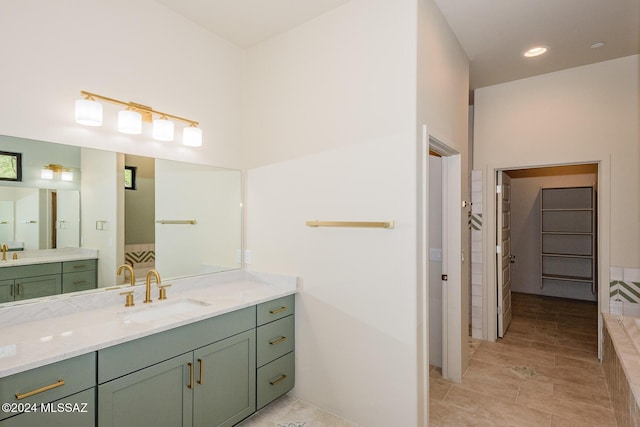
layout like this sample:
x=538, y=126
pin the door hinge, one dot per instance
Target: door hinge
x=498, y=189
x=500, y=311
x=445, y=277
x=498, y=249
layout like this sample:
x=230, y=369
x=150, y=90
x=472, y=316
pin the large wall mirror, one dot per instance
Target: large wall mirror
x=181, y=219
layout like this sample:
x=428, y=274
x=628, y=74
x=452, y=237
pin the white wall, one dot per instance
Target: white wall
x=129, y=50
x=330, y=136
x=581, y=115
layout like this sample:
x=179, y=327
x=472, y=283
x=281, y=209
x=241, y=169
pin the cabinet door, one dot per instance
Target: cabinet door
x=157, y=396
x=225, y=381
x=6, y=290
x=34, y=287
x=77, y=410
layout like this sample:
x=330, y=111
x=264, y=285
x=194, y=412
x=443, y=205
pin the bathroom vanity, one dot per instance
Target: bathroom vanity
x=212, y=354
x=34, y=274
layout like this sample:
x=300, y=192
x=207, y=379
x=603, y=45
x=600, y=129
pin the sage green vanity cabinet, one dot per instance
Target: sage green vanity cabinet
x=68, y=382
x=225, y=381
x=205, y=370
x=31, y=281
x=155, y=396
x=275, y=349
x=40, y=280
x=6, y=290
x=79, y=275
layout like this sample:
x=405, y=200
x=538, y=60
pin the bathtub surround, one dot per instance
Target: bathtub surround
x=624, y=291
x=621, y=363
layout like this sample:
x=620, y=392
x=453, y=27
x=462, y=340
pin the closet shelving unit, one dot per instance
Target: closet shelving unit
x=568, y=240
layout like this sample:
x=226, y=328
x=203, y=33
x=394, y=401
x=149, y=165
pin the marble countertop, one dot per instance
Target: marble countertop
x=38, y=334
x=47, y=256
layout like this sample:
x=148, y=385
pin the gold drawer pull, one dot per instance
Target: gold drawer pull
x=190, y=375
x=200, y=376
x=39, y=390
x=80, y=266
x=279, y=380
x=80, y=282
x=278, y=341
x=278, y=310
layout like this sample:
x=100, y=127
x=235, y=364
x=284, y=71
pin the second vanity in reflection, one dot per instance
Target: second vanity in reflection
x=48, y=272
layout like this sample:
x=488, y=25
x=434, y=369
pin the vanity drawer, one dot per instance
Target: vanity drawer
x=50, y=382
x=275, y=309
x=78, y=281
x=32, y=270
x=80, y=265
x=275, y=339
x=275, y=379
x=122, y=359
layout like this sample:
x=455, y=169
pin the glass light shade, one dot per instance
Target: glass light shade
x=163, y=130
x=88, y=112
x=46, y=173
x=192, y=136
x=66, y=175
x=130, y=122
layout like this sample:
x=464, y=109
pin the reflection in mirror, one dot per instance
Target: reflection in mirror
x=94, y=211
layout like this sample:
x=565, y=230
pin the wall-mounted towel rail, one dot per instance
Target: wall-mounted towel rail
x=360, y=224
x=177, y=221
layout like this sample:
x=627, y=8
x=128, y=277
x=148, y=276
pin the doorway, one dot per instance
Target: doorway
x=546, y=244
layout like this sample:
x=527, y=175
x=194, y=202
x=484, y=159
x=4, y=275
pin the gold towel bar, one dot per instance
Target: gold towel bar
x=176, y=221
x=361, y=224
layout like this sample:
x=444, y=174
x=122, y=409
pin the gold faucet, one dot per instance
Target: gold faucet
x=5, y=248
x=150, y=274
x=132, y=275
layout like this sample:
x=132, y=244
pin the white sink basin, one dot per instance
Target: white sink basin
x=162, y=309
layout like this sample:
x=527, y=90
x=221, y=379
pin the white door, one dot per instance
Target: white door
x=504, y=252
x=68, y=219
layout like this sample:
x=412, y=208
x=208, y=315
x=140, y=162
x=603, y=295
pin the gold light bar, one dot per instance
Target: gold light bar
x=359, y=224
x=145, y=110
x=176, y=221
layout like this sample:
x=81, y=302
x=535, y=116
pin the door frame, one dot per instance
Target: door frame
x=490, y=321
x=455, y=313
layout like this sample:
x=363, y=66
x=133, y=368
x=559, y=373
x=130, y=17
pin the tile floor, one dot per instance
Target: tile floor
x=545, y=372
x=291, y=412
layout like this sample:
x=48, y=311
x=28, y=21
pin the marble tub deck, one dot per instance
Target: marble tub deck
x=545, y=372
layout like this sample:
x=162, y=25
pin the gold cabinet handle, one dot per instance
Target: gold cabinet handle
x=278, y=341
x=200, y=375
x=80, y=266
x=278, y=310
x=80, y=282
x=279, y=380
x=11, y=291
x=59, y=383
x=190, y=375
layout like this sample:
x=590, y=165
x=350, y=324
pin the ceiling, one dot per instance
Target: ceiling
x=493, y=33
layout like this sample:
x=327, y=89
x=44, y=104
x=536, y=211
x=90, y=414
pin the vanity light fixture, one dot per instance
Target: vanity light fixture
x=130, y=121
x=89, y=112
x=48, y=171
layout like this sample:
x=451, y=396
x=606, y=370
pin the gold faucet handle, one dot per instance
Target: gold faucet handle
x=129, y=300
x=15, y=255
x=163, y=291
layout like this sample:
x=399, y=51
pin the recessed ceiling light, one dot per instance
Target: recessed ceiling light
x=535, y=51
x=597, y=45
